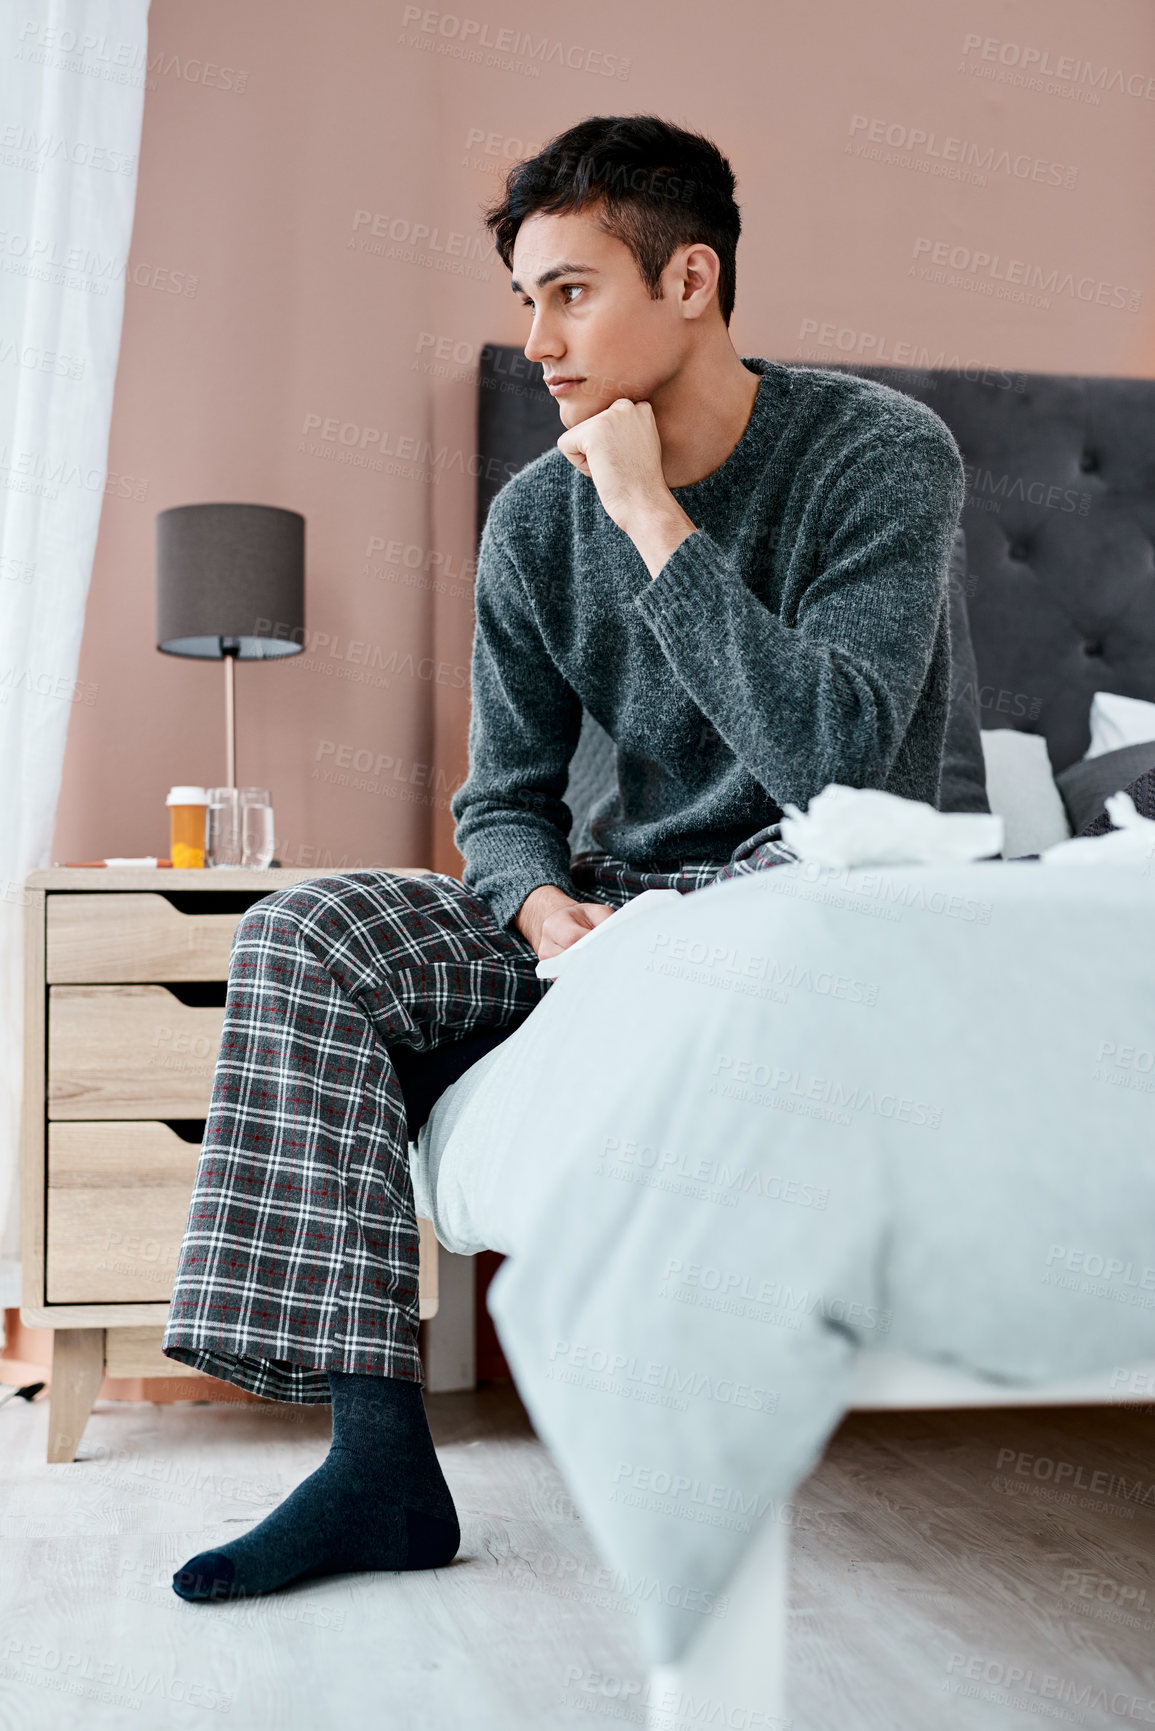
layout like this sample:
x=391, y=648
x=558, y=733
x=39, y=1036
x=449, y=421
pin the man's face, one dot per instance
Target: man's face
x=593, y=321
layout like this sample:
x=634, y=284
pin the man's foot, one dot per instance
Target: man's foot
x=377, y=1501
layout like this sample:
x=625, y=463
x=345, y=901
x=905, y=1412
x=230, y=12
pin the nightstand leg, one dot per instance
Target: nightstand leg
x=77, y=1373
x=449, y=1353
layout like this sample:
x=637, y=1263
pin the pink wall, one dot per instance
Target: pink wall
x=260, y=306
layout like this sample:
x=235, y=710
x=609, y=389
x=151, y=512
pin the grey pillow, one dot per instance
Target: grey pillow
x=963, y=786
x=592, y=773
x=1087, y=785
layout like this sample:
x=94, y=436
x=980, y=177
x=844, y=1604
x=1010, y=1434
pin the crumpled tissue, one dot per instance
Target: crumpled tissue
x=862, y=826
x=1131, y=843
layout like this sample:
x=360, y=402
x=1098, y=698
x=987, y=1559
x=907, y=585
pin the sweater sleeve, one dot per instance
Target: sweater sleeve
x=512, y=825
x=828, y=697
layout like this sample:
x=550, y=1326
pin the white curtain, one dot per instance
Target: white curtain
x=72, y=82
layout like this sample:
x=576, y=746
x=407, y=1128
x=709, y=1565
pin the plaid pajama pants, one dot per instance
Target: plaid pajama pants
x=300, y=1247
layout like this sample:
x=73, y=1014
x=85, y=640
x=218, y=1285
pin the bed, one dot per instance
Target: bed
x=919, y=1290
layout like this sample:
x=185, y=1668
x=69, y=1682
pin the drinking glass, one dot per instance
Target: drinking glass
x=223, y=828
x=257, y=841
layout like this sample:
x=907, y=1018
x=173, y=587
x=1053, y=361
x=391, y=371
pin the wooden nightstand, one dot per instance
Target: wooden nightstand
x=125, y=977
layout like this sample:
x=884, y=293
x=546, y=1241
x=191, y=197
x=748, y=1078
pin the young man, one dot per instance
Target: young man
x=739, y=569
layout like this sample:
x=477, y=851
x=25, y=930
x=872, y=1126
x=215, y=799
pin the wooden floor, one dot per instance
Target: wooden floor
x=929, y=1564
x=926, y=1570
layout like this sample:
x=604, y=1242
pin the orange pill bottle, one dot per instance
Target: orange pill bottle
x=187, y=807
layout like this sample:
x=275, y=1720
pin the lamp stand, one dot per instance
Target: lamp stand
x=230, y=656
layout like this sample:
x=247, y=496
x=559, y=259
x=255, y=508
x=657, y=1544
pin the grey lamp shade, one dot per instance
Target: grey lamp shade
x=230, y=579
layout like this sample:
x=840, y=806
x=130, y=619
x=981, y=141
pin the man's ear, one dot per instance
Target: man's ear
x=696, y=283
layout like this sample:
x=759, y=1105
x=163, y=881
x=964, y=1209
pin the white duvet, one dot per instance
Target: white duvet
x=792, y=1117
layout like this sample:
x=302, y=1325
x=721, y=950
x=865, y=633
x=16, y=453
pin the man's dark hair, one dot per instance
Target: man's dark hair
x=658, y=188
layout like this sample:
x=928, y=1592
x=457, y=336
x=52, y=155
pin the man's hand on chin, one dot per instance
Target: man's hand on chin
x=619, y=449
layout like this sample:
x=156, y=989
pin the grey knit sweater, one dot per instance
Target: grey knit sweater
x=799, y=636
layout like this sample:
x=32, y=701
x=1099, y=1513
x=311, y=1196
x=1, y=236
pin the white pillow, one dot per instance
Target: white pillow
x=1117, y=721
x=1021, y=790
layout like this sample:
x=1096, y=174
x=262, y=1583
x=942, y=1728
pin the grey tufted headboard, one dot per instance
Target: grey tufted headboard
x=1060, y=531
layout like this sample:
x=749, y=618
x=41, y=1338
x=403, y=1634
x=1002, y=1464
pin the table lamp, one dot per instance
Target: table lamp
x=230, y=584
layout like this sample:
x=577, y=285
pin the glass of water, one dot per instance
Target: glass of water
x=257, y=842
x=223, y=828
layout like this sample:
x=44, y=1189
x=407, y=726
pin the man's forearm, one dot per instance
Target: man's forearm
x=657, y=529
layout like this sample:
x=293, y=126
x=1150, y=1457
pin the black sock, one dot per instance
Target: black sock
x=377, y=1501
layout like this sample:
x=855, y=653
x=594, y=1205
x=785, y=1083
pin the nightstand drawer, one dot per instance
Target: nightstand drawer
x=130, y=1052
x=118, y=1196
x=130, y=938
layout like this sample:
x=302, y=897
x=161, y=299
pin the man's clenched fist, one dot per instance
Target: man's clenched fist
x=619, y=449
x=552, y=921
